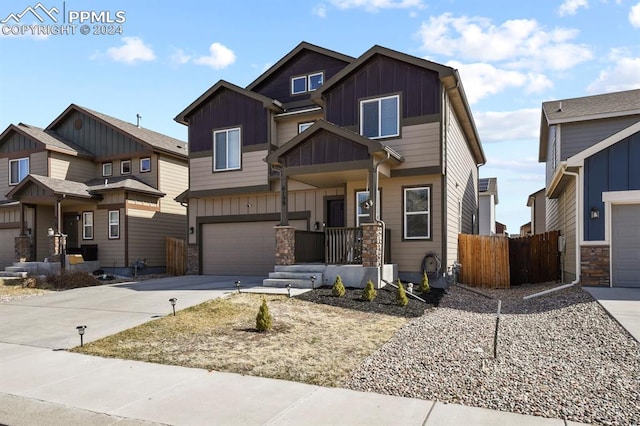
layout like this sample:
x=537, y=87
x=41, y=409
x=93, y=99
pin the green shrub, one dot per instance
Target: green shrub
x=369, y=293
x=424, y=285
x=263, y=319
x=401, y=295
x=338, y=288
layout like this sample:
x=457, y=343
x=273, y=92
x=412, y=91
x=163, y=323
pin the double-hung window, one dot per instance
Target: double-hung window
x=417, y=213
x=114, y=224
x=226, y=149
x=18, y=170
x=380, y=118
x=87, y=225
x=107, y=169
x=363, y=207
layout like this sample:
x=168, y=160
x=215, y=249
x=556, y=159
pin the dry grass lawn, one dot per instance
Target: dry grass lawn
x=12, y=289
x=309, y=342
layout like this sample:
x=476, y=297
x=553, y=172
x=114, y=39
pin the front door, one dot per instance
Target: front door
x=335, y=212
x=70, y=229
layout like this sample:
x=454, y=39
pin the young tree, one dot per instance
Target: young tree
x=401, y=295
x=338, y=288
x=369, y=293
x=263, y=319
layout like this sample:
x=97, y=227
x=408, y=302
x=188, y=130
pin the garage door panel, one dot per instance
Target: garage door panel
x=7, y=248
x=625, y=252
x=240, y=248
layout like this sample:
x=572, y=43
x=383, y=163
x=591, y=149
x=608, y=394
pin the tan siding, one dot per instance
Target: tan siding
x=4, y=178
x=145, y=242
x=44, y=220
x=462, y=186
x=9, y=214
x=7, y=252
x=254, y=172
x=151, y=177
x=568, y=229
x=287, y=128
x=419, y=145
x=70, y=168
x=173, y=180
x=552, y=214
x=39, y=164
x=110, y=252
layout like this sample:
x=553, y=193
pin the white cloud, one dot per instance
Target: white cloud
x=219, y=57
x=495, y=126
x=634, y=15
x=624, y=74
x=320, y=10
x=376, y=5
x=570, y=7
x=519, y=44
x=132, y=51
x=179, y=57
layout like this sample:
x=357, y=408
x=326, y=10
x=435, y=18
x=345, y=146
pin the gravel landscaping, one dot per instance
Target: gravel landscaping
x=559, y=356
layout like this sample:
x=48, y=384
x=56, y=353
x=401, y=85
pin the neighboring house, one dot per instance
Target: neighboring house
x=106, y=184
x=488, y=199
x=326, y=143
x=525, y=230
x=591, y=147
x=537, y=203
x=501, y=229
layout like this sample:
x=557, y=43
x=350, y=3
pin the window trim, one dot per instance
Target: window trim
x=115, y=223
x=378, y=207
x=18, y=160
x=122, y=163
x=428, y=213
x=305, y=123
x=110, y=164
x=314, y=74
x=293, y=80
x=85, y=225
x=142, y=170
x=227, y=130
x=379, y=100
x=307, y=82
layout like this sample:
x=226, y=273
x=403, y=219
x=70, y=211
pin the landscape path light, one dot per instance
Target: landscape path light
x=289, y=289
x=313, y=281
x=81, y=329
x=173, y=301
x=238, y=285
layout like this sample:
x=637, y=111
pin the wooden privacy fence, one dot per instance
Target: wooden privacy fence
x=499, y=262
x=176, y=256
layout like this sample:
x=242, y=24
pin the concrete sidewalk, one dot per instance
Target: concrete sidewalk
x=621, y=303
x=41, y=384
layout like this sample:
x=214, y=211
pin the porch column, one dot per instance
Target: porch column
x=284, y=198
x=373, y=193
x=285, y=245
x=371, y=245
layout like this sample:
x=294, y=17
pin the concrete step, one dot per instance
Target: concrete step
x=283, y=282
x=13, y=274
x=297, y=275
x=311, y=268
x=16, y=269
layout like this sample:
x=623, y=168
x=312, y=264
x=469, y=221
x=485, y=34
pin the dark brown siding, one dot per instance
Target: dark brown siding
x=419, y=88
x=228, y=109
x=278, y=86
x=325, y=148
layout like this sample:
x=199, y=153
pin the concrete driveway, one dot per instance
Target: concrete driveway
x=50, y=320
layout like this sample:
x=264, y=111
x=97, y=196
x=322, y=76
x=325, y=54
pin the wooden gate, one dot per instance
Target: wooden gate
x=499, y=262
x=176, y=256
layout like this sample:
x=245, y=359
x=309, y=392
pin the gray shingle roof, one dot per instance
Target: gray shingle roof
x=615, y=104
x=129, y=183
x=61, y=186
x=488, y=186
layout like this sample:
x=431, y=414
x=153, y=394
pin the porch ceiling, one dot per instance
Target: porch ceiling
x=331, y=179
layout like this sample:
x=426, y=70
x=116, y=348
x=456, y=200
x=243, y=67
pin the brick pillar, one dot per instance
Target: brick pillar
x=371, y=245
x=193, y=259
x=594, y=265
x=55, y=247
x=23, y=248
x=285, y=245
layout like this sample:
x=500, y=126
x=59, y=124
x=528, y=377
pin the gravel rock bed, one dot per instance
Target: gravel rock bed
x=559, y=356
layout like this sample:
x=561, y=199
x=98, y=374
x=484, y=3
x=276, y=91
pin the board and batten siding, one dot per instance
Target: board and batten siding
x=70, y=168
x=254, y=172
x=419, y=145
x=173, y=179
x=578, y=136
x=287, y=127
x=39, y=163
x=4, y=178
x=17, y=143
x=461, y=187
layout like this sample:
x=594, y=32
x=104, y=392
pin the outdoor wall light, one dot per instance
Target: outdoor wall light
x=238, y=285
x=289, y=289
x=50, y=232
x=173, y=301
x=595, y=213
x=81, y=329
x=313, y=281
x=191, y=230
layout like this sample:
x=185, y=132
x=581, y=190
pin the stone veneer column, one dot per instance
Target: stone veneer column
x=55, y=247
x=23, y=248
x=371, y=245
x=594, y=265
x=193, y=259
x=285, y=245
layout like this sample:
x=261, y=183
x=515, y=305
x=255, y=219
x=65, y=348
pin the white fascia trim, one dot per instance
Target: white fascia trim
x=302, y=111
x=610, y=198
x=578, y=159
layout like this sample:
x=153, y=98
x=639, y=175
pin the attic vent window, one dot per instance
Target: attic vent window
x=77, y=124
x=306, y=83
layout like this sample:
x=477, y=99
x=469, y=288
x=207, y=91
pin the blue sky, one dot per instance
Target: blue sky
x=512, y=56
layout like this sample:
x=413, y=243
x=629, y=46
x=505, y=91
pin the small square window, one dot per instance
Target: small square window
x=304, y=126
x=299, y=85
x=125, y=167
x=145, y=165
x=315, y=81
x=107, y=169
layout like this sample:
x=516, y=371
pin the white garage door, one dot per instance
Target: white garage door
x=7, y=246
x=625, y=256
x=243, y=248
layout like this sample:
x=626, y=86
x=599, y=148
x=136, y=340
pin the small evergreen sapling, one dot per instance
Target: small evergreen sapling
x=401, y=295
x=424, y=285
x=369, y=293
x=263, y=319
x=338, y=288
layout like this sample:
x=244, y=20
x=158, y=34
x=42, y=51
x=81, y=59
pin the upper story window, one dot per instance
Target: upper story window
x=226, y=149
x=380, y=118
x=18, y=170
x=107, y=169
x=417, y=214
x=306, y=83
x=145, y=165
x=304, y=126
x=125, y=167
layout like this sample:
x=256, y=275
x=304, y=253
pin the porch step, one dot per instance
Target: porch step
x=283, y=282
x=16, y=269
x=312, y=268
x=297, y=275
x=12, y=274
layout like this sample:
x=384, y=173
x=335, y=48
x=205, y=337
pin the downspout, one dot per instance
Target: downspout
x=578, y=216
x=376, y=166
